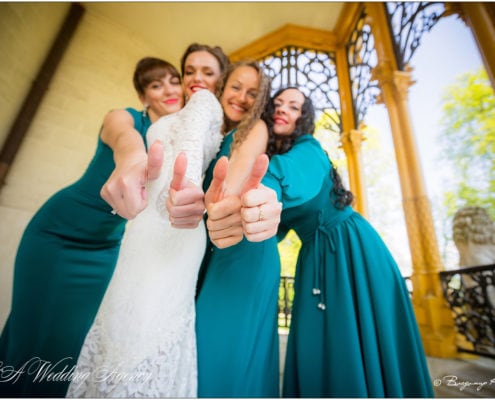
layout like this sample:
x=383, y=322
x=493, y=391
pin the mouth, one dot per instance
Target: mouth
x=171, y=101
x=238, y=108
x=195, y=88
x=280, y=121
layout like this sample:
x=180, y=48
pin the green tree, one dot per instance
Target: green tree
x=467, y=142
x=289, y=250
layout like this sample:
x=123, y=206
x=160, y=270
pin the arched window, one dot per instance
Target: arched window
x=312, y=71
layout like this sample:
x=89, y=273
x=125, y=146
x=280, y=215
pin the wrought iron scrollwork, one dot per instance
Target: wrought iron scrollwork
x=470, y=293
x=362, y=58
x=314, y=72
x=408, y=22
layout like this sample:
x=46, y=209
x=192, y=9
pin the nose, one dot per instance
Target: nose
x=168, y=87
x=197, y=76
x=242, y=96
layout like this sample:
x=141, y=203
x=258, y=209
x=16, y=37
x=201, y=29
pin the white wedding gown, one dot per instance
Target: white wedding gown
x=142, y=342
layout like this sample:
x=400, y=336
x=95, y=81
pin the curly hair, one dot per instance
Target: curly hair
x=279, y=144
x=343, y=197
x=150, y=69
x=305, y=124
x=215, y=51
x=254, y=114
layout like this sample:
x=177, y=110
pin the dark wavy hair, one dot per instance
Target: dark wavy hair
x=150, y=69
x=343, y=197
x=305, y=124
x=279, y=144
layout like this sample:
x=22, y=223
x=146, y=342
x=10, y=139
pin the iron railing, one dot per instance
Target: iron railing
x=470, y=293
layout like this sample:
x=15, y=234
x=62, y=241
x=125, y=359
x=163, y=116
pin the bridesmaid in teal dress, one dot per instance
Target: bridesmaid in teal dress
x=236, y=308
x=353, y=332
x=68, y=251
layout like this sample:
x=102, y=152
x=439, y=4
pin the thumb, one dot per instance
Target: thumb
x=180, y=167
x=216, y=189
x=155, y=160
x=258, y=171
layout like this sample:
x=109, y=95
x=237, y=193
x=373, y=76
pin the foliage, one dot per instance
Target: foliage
x=467, y=142
x=289, y=250
x=329, y=139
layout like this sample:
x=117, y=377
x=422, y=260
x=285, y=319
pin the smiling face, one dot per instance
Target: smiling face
x=201, y=71
x=163, y=96
x=239, y=93
x=287, y=110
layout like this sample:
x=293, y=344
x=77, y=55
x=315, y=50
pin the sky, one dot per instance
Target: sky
x=425, y=98
x=446, y=52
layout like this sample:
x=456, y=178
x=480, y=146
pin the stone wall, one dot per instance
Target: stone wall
x=94, y=76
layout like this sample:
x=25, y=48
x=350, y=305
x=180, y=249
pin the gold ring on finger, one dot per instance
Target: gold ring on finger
x=261, y=216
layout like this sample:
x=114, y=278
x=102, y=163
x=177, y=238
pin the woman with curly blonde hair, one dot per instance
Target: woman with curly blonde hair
x=236, y=307
x=243, y=95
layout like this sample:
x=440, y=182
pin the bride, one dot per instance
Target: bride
x=142, y=342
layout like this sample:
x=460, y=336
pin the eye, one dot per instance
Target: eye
x=155, y=85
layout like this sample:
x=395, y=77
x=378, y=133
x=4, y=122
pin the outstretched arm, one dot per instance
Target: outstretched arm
x=230, y=177
x=230, y=217
x=224, y=219
x=125, y=189
x=260, y=213
x=185, y=203
x=255, y=215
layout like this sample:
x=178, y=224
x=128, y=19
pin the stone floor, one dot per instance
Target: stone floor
x=470, y=377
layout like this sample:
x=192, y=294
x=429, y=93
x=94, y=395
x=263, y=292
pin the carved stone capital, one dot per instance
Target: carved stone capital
x=353, y=138
x=399, y=81
x=383, y=73
x=403, y=81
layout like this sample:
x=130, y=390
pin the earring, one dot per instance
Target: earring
x=145, y=111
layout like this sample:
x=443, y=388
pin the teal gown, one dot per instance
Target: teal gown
x=353, y=331
x=64, y=263
x=236, y=317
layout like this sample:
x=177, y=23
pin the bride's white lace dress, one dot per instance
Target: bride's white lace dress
x=142, y=342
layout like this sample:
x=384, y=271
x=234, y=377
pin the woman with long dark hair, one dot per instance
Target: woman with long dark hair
x=353, y=332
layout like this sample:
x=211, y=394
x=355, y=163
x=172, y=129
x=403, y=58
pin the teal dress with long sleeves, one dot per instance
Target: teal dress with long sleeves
x=236, y=316
x=63, y=265
x=353, y=331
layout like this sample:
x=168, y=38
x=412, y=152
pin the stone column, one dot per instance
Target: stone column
x=352, y=143
x=350, y=137
x=432, y=312
x=480, y=17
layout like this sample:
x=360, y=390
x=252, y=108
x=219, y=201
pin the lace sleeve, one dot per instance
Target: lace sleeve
x=199, y=136
x=195, y=130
